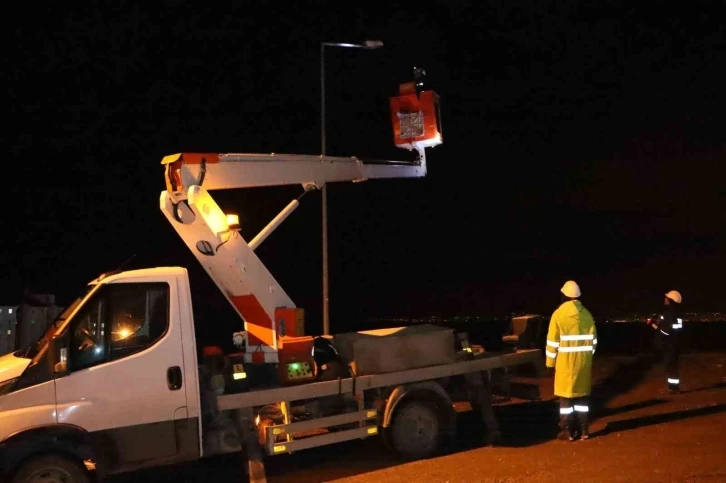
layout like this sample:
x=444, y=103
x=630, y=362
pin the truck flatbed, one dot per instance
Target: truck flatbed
x=481, y=362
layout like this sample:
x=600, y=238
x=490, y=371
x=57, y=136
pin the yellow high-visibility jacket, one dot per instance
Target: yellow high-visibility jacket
x=571, y=343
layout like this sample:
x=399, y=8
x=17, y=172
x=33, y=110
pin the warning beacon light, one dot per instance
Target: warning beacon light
x=415, y=114
x=233, y=222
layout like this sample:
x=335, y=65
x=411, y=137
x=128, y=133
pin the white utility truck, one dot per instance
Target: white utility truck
x=118, y=383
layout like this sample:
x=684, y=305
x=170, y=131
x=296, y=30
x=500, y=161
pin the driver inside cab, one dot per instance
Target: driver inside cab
x=88, y=343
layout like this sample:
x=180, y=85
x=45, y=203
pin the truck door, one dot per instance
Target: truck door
x=125, y=364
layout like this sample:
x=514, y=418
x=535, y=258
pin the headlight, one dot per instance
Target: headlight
x=7, y=386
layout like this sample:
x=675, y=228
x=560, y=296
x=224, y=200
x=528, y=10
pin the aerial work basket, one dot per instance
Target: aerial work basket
x=416, y=117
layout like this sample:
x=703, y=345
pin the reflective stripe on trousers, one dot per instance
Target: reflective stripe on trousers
x=577, y=407
x=574, y=412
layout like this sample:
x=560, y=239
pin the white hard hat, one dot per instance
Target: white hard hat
x=675, y=296
x=571, y=289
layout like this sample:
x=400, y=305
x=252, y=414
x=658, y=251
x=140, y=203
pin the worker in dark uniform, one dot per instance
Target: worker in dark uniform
x=669, y=326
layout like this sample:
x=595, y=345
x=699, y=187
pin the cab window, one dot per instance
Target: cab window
x=121, y=320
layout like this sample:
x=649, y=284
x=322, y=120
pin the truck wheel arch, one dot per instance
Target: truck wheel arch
x=65, y=440
x=427, y=390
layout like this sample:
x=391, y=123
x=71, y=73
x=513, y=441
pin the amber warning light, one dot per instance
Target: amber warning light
x=233, y=222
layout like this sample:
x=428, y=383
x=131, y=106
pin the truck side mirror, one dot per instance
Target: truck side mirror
x=62, y=365
x=57, y=355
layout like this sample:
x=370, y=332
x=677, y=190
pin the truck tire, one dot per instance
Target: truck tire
x=416, y=430
x=387, y=438
x=51, y=469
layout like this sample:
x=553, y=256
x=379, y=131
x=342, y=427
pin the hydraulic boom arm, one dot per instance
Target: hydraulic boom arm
x=227, y=171
x=215, y=239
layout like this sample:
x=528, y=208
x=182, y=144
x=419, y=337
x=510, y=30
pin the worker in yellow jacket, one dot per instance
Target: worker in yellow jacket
x=571, y=344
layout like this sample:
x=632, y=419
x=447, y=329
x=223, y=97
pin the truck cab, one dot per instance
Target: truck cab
x=112, y=385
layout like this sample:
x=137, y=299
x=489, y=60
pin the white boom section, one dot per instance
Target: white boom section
x=233, y=266
x=230, y=260
x=229, y=171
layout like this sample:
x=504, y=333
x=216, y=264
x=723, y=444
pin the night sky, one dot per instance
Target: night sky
x=583, y=142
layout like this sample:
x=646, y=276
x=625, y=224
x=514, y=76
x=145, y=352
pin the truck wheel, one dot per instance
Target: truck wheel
x=51, y=469
x=416, y=430
x=386, y=438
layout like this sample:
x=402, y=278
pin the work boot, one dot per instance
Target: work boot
x=584, y=432
x=565, y=435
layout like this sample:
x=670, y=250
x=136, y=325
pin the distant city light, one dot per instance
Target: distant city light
x=633, y=318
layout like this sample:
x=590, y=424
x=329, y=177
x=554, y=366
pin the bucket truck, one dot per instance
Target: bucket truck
x=117, y=382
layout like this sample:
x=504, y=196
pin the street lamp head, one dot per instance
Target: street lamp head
x=372, y=44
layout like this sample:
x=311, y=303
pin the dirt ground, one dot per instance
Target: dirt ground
x=639, y=435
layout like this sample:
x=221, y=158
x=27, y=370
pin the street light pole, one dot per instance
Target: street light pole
x=368, y=45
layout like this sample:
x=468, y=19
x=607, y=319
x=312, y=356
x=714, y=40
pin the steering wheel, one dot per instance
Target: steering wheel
x=88, y=340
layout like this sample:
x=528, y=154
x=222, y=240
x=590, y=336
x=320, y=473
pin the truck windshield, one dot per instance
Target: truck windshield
x=33, y=349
